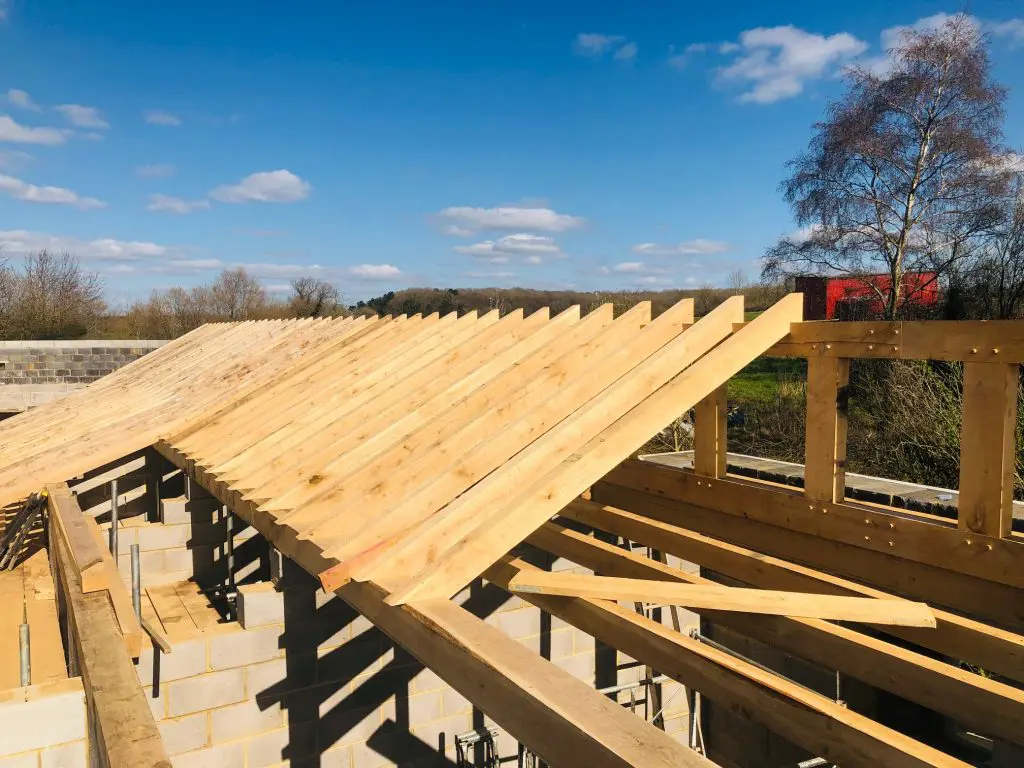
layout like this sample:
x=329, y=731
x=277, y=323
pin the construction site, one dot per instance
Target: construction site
x=433, y=540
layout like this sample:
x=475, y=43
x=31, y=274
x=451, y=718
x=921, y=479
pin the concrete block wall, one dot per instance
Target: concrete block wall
x=302, y=679
x=34, y=372
x=44, y=726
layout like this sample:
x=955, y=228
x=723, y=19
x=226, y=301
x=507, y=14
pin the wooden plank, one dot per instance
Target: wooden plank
x=748, y=556
x=86, y=555
x=976, y=701
x=710, y=432
x=121, y=601
x=12, y=594
x=825, y=445
x=561, y=719
x=697, y=596
x=123, y=722
x=860, y=525
x=988, y=341
x=638, y=406
x=46, y=648
x=820, y=725
x=988, y=448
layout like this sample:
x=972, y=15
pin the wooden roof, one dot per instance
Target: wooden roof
x=412, y=452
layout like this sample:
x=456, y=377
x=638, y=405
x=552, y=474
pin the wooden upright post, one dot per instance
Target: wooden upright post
x=988, y=442
x=709, y=434
x=825, y=446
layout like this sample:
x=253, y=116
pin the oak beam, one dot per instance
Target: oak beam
x=808, y=719
x=710, y=433
x=976, y=701
x=988, y=448
x=825, y=444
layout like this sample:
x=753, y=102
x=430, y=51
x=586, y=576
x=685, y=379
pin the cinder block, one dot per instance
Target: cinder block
x=336, y=757
x=184, y=734
x=560, y=643
x=454, y=703
x=187, y=660
x=151, y=537
x=424, y=707
x=259, y=605
x=24, y=760
x=245, y=719
x=219, y=756
x=428, y=680
x=449, y=726
x=251, y=646
x=47, y=718
x=580, y=666
x=157, y=704
x=214, y=689
x=582, y=642
x=521, y=623
x=288, y=744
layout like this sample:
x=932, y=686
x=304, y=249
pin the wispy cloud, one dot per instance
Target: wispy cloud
x=510, y=217
x=530, y=249
x=685, y=248
x=83, y=117
x=12, y=158
x=374, y=271
x=102, y=249
x=1012, y=29
x=22, y=134
x=594, y=45
x=175, y=204
x=30, y=193
x=776, y=63
x=22, y=100
x=280, y=186
x=161, y=117
x=156, y=171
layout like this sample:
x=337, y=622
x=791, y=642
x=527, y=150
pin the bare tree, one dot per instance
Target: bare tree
x=52, y=297
x=738, y=280
x=237, y=295
x=314, y=297
x=905, y=172
x=994, y=285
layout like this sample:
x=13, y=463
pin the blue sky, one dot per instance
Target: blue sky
x=582, y=145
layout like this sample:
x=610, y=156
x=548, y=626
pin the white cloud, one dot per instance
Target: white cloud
x=696, y=48
x=629, y=266
x=30, y=193
x=175, y=204
x=775, y=63
x=83, y=117
x=22, y=100
x=103, y=249
x=511, y=217
x=594, y=43
x=266, y=187
x=160, y=117
x=1011, y=162
x=653, y=280
x=374, y=271
x=490, y=275
x=627, y=52
x=22, y=134
x=531, y=249
x=453, y=230
x=1012, y=29
x=685, y=248
x=156, y=171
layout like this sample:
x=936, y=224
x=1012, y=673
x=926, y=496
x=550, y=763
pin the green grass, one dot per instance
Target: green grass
x=759, y=381
x=753, y=387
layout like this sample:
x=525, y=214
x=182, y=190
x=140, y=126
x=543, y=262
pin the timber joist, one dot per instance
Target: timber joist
x=978, y=341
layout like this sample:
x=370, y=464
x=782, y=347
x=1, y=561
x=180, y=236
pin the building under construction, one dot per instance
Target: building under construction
x=429, y=541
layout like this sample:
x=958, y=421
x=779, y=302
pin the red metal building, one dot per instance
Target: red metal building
x=854, y=298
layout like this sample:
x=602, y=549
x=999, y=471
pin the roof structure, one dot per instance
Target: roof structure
x=399, y=459
x=412, y=452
